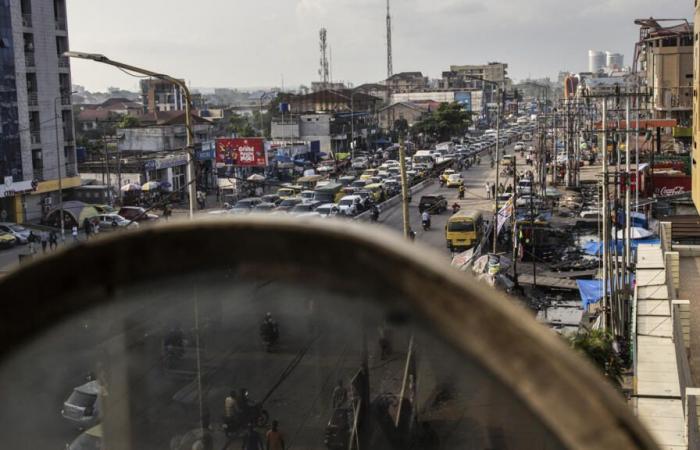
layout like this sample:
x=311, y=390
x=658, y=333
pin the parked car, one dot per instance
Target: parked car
x=7, y=240
x=113, y=220
x=83, y=406
x=18, y=231
x=136, y=213
x=434, y=204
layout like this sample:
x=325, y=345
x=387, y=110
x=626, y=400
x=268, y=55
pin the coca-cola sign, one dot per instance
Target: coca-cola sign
x=670, y=191
x=242, y=152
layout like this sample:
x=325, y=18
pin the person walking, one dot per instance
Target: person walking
x=274, y=438
x=251, y=439
x=53, y=240
x=493, y=190
x=44, y=241
x=74, y=233
x=487, y=186
x=340, y=395
x=87, y=228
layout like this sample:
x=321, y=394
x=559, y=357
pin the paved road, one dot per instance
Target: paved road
x=475, y=197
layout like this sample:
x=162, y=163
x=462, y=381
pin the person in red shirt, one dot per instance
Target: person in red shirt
x=274, y=438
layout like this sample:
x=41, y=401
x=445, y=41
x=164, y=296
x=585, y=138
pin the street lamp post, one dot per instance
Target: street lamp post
x=188, y=118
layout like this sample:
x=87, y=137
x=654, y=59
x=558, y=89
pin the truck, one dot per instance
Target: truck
x=424, y=157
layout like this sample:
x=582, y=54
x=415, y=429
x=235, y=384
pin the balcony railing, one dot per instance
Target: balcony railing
x=29, y=59
x=27, y=20
x=61, y=24
x=63, y=62
x=36, y=137
x=33, y=99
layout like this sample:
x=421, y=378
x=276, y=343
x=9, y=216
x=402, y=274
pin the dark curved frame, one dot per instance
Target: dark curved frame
x=570, y=397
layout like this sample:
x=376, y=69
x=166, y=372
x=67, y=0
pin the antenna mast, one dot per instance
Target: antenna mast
x=389, y=68
x=323, y=70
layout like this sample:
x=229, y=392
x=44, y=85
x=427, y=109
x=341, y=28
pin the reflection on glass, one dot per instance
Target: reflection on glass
x=219, y=359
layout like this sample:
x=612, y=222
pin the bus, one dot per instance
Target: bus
x=464, y=230
x=424, y=157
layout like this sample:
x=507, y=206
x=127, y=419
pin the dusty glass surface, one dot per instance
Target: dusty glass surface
x=163, y=358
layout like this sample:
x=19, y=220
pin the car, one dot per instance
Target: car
x=524, y=187
x=328, y=210
x=7, y=240
x=109, y=221
x=83, y=407
x=245, y=205
x=434, y=204
x=90, y=439
x=350, y=205
x=136, y=213
x=519, y=146
x=446, y=174
x=271, y=198
x=264, y=207
x=288, y=204
x=360, y=163
x=307, y=196
x=18, y=231
x=305, y=207
x=454, y=180
x=359, y=184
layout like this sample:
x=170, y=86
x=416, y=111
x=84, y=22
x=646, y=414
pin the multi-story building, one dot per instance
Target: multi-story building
x=665, y=58
x=468, y=76
x=407, y=82
x=37, y=147
x=331, y=101
x=161, y=95
x=695, y=169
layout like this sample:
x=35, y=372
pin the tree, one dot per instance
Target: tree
x=241, y=126
x=129, y=122
x=598, y=346
x=447, y=121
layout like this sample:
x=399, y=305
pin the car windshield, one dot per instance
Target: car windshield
x=81, y=399
x=460, y=226
x=346, y=202
x=290, y=202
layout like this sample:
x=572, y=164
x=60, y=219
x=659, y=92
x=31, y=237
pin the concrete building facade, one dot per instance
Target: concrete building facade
x=159, y=95
x=36, y=119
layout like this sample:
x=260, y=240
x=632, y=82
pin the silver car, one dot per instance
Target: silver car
x=18, y=231
x=83, y=406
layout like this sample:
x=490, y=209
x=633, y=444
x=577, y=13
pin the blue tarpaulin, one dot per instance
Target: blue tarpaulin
x=638, y=219
x=591, y=291
x=595, y=248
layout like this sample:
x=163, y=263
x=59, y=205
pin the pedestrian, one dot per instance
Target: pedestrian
x=87, y=228
x=31, y=240
x=44, y=241
x=74, y=232
x=493, y=190
x=53, y=240
x=487, y=186
x=251, y=439
x=340, y=395
x=96, y=228
x=274, y=438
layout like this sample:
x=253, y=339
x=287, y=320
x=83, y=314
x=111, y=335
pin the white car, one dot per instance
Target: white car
x=360, y=163
x=113, y=220
x=83, y=407
x=519, y=146
x=349, y=205
x=307, y=196
x=18, y=231
x=328, y=210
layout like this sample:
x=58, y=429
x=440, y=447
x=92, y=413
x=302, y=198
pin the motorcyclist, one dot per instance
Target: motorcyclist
x=461, y=192
x=375, y=213
x=425, y=219
x=478, y=160
x=411, y=235
x=455, y=208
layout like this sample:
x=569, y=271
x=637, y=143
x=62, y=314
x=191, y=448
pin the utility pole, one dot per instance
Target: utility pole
x=605, y=216
x=404, y=188
x=628, y=214
x=498, y=145
x=515, y=225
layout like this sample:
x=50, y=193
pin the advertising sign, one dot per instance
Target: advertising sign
x=464, y=99
x=671, y=185
x=241, y=152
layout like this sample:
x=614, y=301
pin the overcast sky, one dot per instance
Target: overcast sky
x=245, y=43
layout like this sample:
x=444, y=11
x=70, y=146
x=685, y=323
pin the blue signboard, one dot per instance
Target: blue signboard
x=464, y=99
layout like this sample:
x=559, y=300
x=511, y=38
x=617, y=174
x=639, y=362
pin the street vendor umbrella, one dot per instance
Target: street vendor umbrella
x=635, y=233
x=150, y=186
x=256, y=177
x=131, y=187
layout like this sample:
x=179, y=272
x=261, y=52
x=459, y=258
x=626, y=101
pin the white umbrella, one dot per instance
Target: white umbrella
x=151, y=185
x=256, y=177
x=131, y=187
x=635, y=233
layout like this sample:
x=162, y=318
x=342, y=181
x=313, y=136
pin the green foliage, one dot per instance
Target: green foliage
x=597, y=345
x=447, y=121
x=241, y=126
x=129, y=122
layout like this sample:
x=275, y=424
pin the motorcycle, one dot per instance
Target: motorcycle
x=461, y=194
x=455, y=208
x=253, y=413
x=426, y=225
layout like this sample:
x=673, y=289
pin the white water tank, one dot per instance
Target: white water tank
x=596, y=61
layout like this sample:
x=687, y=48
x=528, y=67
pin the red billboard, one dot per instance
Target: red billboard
x=241, y=152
